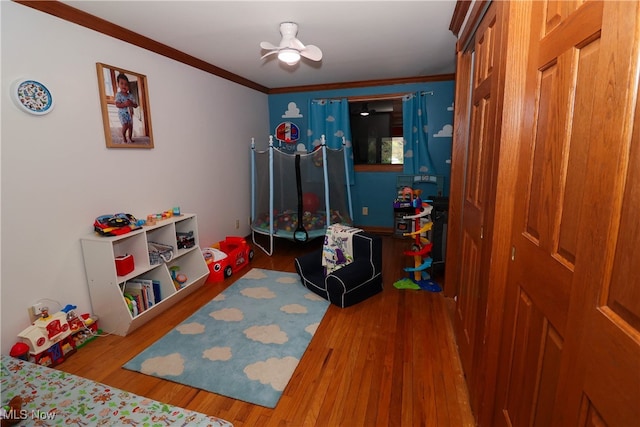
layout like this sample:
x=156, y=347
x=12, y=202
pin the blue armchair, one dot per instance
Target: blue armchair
x=351, y=284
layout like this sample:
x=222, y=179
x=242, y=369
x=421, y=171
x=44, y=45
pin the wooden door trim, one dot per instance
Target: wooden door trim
x=474, y=18
x=511, y=93
x=457, y=178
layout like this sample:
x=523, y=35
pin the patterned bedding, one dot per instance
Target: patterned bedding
x=51, y=397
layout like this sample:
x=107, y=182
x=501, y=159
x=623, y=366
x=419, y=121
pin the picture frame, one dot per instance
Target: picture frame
x=126, y=113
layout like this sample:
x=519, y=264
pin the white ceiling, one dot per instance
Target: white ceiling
x=360, y=40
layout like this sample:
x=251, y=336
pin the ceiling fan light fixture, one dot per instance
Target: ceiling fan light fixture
x=289, y=56
x=290, y=49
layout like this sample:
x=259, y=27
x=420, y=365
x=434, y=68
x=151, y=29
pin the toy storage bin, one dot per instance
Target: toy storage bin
x=124, y=264
x=159, y=253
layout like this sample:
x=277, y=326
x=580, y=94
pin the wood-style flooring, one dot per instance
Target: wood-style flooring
x=388, y=361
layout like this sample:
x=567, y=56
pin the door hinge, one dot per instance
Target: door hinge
x=513, y=253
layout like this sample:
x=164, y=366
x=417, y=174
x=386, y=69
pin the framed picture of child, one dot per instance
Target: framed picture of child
x=125, y=107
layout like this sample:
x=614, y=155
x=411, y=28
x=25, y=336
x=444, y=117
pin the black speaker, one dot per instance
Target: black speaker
x=439, y=216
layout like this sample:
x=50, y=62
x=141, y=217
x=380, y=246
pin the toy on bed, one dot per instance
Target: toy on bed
x=285, y=187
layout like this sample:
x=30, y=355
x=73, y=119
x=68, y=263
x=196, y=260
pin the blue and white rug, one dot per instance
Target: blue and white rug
x=245, y=343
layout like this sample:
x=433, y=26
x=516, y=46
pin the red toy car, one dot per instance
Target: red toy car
x=227, y=257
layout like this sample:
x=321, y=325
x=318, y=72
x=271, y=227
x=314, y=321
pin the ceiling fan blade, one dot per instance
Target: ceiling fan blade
x=268, y=46
x=294, y=44
x=311, y=52
x=269, y=53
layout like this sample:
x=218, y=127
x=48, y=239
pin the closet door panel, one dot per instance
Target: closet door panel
x=565, y=51
x=469, y=321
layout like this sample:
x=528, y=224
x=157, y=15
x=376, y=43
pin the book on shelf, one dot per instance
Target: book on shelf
x=142, y=290
x=156, y=291
x=147, y=288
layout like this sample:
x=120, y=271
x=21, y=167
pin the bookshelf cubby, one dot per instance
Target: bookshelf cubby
x=106, y=287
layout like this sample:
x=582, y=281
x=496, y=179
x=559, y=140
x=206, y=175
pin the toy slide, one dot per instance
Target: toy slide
x=425, y=211
x=426, y=264
x=424, y=229
x=424, y=251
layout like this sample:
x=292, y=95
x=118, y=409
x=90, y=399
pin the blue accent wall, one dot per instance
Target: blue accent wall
x=377, y=190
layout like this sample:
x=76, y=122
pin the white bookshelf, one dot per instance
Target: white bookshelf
x=106, y=287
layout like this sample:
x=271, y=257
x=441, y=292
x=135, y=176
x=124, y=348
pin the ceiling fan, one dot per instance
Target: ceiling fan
x=365, y=111
x=290, y=48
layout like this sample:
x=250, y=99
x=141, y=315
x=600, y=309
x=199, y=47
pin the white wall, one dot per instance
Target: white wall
x=57, y=175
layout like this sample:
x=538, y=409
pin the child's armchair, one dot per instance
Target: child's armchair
x=351, y=284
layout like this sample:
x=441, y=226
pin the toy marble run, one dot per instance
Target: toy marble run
x=421, y=247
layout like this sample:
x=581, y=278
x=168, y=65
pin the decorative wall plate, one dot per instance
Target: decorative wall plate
x=32, y=96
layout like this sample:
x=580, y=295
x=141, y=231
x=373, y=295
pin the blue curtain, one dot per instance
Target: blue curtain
x=417, y=159
x=330, y=117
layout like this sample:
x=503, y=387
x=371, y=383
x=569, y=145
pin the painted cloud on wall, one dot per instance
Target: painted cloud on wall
x=445, y=132
x=293, y=112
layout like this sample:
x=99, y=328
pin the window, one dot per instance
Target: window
x=376, y=131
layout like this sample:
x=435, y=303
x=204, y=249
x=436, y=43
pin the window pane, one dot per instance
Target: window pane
x=377, y=136
x=397, y=151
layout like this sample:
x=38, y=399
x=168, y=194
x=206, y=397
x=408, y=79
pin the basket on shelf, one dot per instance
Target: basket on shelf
x=159, y=253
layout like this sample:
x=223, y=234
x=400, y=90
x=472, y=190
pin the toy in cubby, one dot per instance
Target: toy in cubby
x=419, y=277
x=179, y=279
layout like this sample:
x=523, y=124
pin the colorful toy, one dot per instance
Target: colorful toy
x=310, y=202
x=421, y=247
x=51, y=338
x=115, y=225
x=227, y=257
x=179, y=279
x=186, y=240
x=218, y=264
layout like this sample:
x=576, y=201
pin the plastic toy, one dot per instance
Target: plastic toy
x=20, y=350
x=185, y=240
x=50, y=339
x=227, y=257
x=310, y=202
x=419, y=277
x=218, y=264
x=115, y=225
x=179, y=279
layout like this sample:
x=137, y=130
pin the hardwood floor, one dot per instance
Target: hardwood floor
x=388, y=361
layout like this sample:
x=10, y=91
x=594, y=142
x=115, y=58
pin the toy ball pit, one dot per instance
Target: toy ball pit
x=285, y=223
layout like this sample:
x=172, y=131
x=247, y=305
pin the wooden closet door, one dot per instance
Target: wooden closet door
x=574, y=101
x=601, y=369
x=481, y=72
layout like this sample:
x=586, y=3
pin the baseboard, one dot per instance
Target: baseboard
x=376, y=230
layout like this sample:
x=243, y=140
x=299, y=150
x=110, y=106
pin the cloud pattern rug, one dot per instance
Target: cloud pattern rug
x=245, y=343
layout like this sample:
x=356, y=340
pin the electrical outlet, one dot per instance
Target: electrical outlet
x=237, y=224
x=365, y=210
x=34, y=311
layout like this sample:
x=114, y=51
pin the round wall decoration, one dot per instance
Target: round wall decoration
x=32, y=96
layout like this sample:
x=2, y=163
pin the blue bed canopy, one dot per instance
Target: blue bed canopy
x=285, y=186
